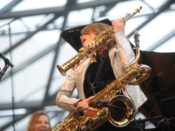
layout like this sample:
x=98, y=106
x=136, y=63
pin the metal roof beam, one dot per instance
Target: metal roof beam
x=53, y=67
x=162, y=8
x=31, y=110
x=30, y=35
x=26, y=105
x=30, y=61
x=17, y=118
x=8, y=7
x=46, y=94
x=107, y=9
x=58, y=10
x=58, y=27
x=52, y=70
x=162, y=41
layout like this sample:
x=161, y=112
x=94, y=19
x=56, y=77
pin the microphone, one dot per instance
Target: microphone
x=6, y=60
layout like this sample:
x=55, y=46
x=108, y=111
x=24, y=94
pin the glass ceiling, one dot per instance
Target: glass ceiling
x=36, y=48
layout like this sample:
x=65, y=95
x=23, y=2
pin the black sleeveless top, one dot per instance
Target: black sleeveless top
x=98, y=75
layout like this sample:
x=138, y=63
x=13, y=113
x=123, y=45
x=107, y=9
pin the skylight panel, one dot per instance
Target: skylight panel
x=124, y=8
x=157, y=29
x=83, y=1
x=85, y=15
x=38, y=4
x=168, y=46
x=4, y=3
x=154, y=3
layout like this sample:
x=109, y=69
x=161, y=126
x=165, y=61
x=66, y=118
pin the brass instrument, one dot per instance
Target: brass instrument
x=134, y=75
x=119, y=110
x=103, y=39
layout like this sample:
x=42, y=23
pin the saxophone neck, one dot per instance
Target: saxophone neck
x=126, y=18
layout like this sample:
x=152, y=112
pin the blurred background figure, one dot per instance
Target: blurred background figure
x=39, y=121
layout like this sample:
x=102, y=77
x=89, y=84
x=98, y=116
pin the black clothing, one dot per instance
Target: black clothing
x=98, y=75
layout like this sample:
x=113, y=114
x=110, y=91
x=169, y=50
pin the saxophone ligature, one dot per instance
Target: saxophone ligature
x=99, y=42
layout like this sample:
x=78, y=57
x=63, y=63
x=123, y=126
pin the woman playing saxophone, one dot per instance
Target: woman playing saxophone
x=101, y=68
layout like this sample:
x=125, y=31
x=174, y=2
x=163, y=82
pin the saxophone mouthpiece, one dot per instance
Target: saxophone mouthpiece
x=138, y=10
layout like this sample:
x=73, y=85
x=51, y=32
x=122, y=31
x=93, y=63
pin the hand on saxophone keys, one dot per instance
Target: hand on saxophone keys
x=84, y=108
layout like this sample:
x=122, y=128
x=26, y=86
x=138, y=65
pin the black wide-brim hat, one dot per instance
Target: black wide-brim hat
x=72, y=36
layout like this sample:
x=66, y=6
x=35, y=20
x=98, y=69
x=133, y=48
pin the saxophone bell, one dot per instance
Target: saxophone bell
x=120, y=111
x=72, y=63
x=61, y=70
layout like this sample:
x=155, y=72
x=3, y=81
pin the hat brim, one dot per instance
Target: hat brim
x=72, y=36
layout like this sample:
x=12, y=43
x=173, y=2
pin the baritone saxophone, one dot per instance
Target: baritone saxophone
x=103, y=39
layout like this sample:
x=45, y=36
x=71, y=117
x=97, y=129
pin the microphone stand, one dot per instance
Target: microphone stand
x=7, y=64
